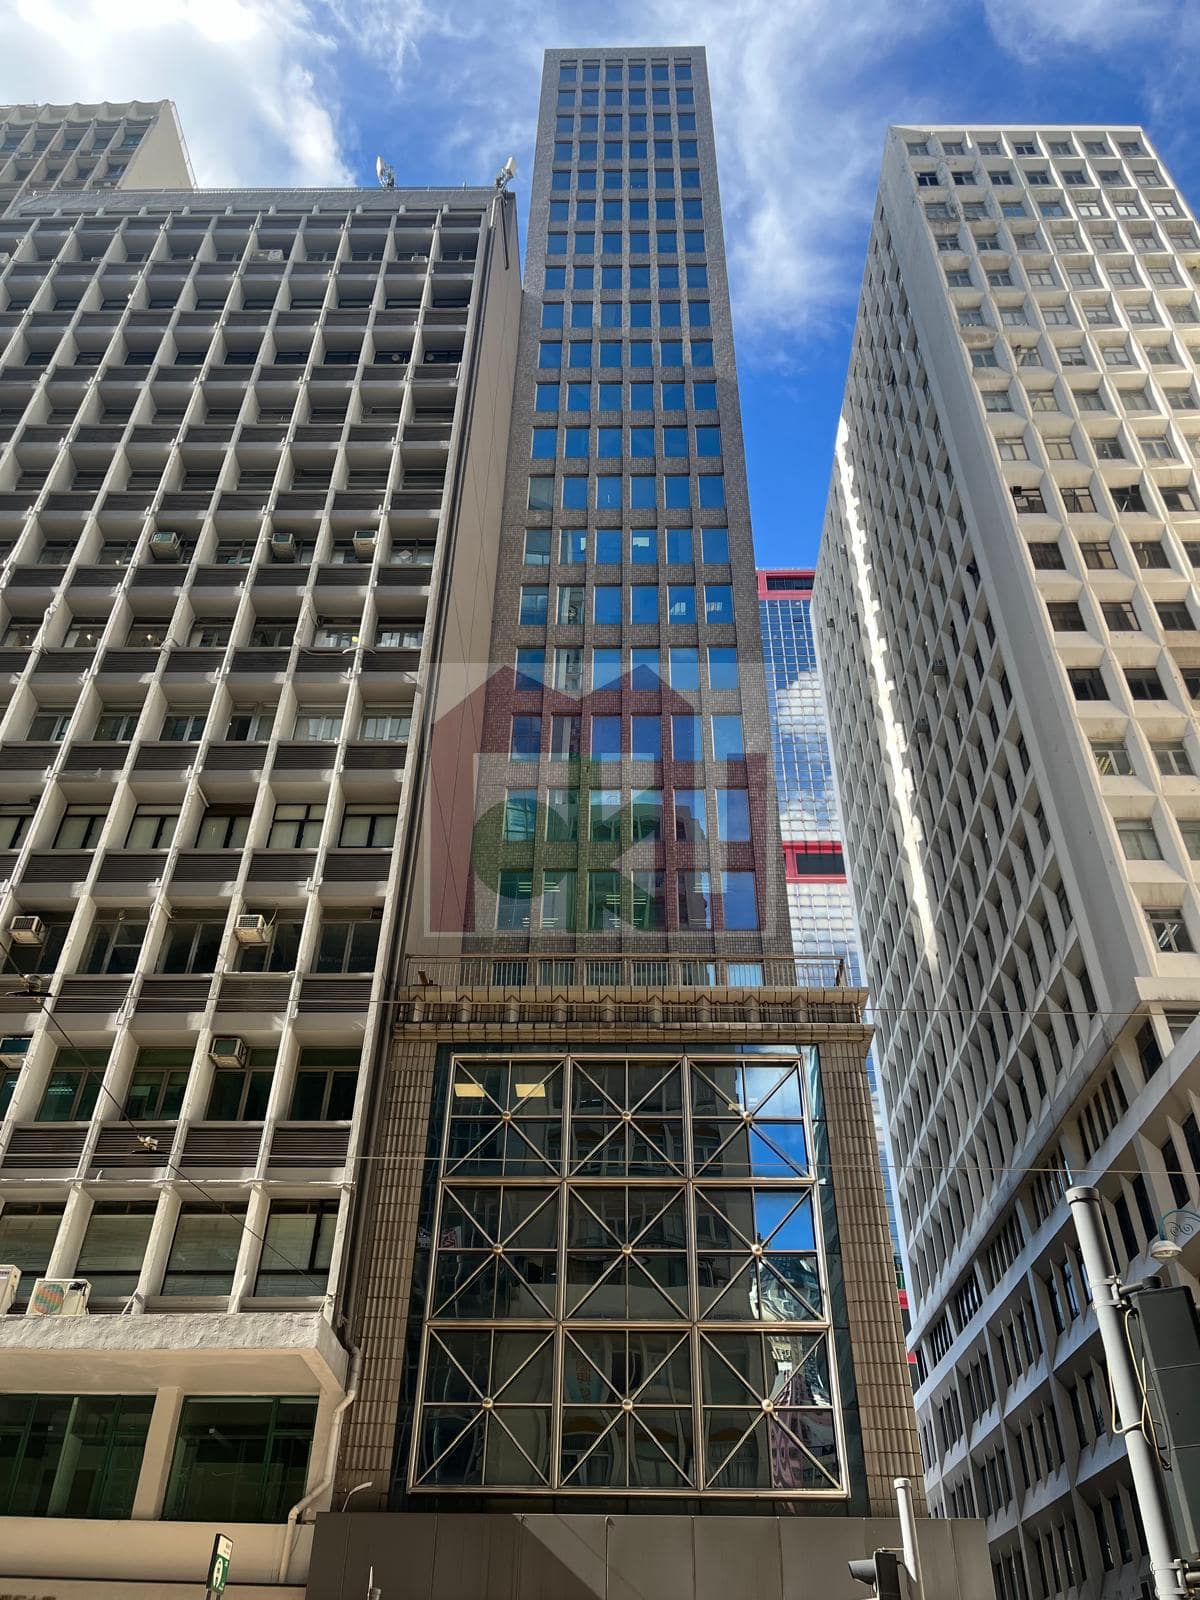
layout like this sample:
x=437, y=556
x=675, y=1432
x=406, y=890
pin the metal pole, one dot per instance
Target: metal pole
x=1110, y=1305
x=908, y=1535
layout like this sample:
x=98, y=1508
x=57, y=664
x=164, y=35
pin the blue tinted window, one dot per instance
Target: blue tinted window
x=679, y=546
x=715, y=545
x=645, y=738
x=608, y=441
x=575, y=442
x=681, y=603
x=547, y=397
x=712, y=492
x=672, y=397
x=531, y=669
x=722, y=666
x=606, y=738
x=641, y=441
x=608, y=546
x=675, y=441
x=610, y=397
x=727, y=738
x=606, y=669
x=718, y=602
x=549, y=354
x=574, y=494
x=708, y=441
x=685, y=667
x=740, y=903
x=685, y=739
x=607, y=604
x=704, y=396
x=608, y=493
x=545, y=444
x=645, y=672
x=679, y=491
x=643, y=546
x=532, y=612
x=642, y=493
x=643, y=602
x=581, y=314
x=579, y=396
x=641, y=397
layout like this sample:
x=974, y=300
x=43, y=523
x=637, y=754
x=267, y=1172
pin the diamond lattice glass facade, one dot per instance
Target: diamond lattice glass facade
x=627, y=1288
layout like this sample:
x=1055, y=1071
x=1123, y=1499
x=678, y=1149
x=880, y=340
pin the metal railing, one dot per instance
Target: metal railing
x=655, y=972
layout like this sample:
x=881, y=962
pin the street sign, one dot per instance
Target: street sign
x=218, y=1565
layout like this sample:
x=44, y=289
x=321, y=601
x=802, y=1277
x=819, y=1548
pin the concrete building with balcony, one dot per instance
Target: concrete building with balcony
x=252, y=453
x=1007, y=618
x=129, y=145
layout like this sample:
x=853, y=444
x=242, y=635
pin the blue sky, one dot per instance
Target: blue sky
x=309, y=91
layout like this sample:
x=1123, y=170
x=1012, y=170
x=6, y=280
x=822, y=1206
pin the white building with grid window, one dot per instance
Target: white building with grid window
x=52, y=148
x=1007, y=621
x=241, y=491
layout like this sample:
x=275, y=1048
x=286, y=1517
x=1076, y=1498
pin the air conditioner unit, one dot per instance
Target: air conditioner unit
x=13, y=1050
x=27, y=930
x=59, y=1297
x=10, y=1282
x=164, y=546
x=364, y=546
x=939, y=668
x=283, y=546
x=251, y=929
x=228, y=1052
x=5, y=258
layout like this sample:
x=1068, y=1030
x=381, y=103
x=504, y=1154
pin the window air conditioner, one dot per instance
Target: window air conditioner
x=10, y=1282
x=27, y=930
x=59, y=1297
x=283, y=546
x=364, y=545
x=164, y=546
x=228, y=1052
x=250, y=929
x=13, y=1050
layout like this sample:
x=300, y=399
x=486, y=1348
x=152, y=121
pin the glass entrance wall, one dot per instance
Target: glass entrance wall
x=627, y=1290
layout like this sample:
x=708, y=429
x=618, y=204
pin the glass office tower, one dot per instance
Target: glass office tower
x=631, y=1268
x=820, y=906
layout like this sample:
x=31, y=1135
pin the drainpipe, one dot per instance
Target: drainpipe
x=335, y=1433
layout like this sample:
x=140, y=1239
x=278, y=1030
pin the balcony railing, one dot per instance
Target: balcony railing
x=652, y=972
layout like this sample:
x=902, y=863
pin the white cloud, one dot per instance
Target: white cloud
x=1027, y=28
x=253, y=80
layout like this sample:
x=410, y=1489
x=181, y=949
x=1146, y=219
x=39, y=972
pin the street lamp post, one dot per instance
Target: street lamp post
x=1111, y=1306
x=1175, y=1229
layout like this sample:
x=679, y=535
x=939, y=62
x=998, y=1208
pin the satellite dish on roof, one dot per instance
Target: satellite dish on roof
x=385, y=174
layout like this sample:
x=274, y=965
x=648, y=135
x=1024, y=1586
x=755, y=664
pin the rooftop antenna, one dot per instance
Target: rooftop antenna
x=506, y=174
x=385, y=173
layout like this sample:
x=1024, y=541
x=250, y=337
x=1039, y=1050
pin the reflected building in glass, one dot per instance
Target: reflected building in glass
x=820, y=905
